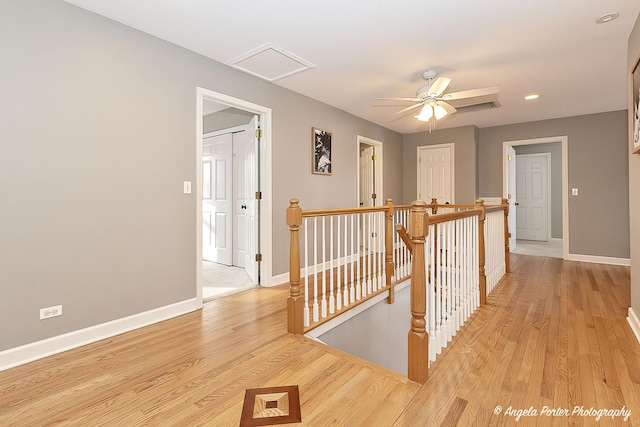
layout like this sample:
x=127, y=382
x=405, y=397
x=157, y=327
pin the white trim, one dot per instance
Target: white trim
x=280, y=279
x=555, y=240
x=599, y=259
x=266, y=183
x=564, y=141
x=452, y=160
x=634, y=323
x=353, y=312
x=547, y=157
x=54, y=345
x=379, y=177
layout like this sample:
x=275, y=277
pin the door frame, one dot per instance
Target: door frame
x=265, y=234
x=547, y=157
x=564, y=142
x=452, y=161
x=379, y=181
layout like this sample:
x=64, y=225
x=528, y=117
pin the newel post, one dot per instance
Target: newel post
x=418, y=336
x=481, y=254
x=507, y=235
x=388, y=248
x=295, y=302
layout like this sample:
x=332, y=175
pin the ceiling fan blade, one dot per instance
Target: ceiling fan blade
x=409, y=108
x=438, y=87
x=397, y=99
x=472, y=97
x=448, y=108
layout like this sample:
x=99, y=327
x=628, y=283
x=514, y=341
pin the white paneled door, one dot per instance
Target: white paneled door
x=511, y=195
x=217, y=199
x=435, y=173
x=367, y=177
x=532, y=197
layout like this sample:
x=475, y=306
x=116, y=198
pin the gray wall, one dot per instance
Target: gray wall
x=378, y=334
x=598, y=166
x=465, y=140
x=634, y=176
x=555, y=150
x=97, y=133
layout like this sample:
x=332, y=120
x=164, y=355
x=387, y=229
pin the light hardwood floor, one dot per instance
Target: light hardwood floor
x=552, y=333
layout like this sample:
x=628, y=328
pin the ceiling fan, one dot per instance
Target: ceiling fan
x=436, y=104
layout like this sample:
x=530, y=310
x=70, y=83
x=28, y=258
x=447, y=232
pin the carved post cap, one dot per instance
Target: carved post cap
x=294, y=213
x=419, y=221
x=480, y=202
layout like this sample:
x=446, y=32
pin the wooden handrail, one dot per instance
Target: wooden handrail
x=418, y=337
x=343, y=211
x=402, y=232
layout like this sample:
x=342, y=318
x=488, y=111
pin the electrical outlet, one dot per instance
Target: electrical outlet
x=53, y=311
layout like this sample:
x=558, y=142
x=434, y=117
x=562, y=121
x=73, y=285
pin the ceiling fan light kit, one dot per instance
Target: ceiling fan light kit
x=437, y=105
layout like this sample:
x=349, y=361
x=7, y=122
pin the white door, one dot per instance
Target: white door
x=435, y=173
x=252, y=186
x=240, y=142
x=216, y=199
x=532, y=197
x=511, y=195
x=367, y=182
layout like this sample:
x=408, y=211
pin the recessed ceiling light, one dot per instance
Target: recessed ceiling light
x=532, y=96
x=607, y=18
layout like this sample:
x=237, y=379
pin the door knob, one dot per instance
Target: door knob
x=243, y=207
x=517, y=204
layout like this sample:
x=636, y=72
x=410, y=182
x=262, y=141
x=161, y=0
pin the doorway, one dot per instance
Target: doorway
x=510, y=188
x=229, y=178
x=436, y=173
x=248, y=204
x=370, y=182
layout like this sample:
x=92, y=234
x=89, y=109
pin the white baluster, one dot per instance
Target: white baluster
x=306, y=274
x=338, y=272
x=323, y=302
x=315, y=269
x=332, y=307
x=356, y=252
x=347, y=264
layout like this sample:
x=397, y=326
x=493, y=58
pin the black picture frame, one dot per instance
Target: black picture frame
x=321, y=155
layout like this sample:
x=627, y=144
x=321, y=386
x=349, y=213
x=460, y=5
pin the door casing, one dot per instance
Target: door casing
x=266, y=183
x=564, y=142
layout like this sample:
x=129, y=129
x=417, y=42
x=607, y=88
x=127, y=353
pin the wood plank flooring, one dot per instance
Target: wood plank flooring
x=552, y=333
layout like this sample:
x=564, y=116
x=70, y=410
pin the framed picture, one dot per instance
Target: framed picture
x=635, y=77
x=321, y=151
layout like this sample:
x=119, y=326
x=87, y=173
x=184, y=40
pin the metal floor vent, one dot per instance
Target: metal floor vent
x=270, y=62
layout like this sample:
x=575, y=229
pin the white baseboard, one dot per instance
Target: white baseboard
x=555, y=239
x=599, y=259
x=279, y=279
x=634, y=323
x=54, y=345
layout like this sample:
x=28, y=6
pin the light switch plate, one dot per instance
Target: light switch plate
x=574, y=191
x=187, y=187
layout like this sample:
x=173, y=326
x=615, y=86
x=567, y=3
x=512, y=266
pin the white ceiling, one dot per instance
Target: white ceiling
x=364, y=49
